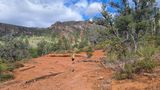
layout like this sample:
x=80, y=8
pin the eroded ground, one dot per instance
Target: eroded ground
x=59, y=73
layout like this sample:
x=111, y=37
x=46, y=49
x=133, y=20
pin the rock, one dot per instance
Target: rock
x=100, y=78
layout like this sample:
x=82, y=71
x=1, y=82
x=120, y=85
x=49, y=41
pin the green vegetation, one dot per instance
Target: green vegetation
x=131, y=39
x=132, y=36
x=14, y=50
x=17, y=49
x=89, y=51
x=4, y=76
x=140, y=66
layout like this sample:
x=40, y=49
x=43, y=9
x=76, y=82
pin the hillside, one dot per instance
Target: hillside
x=18, y=30
x=82, y=28
x=72, y=26
x=59, y=27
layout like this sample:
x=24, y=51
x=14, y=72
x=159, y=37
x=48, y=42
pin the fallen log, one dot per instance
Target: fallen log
x=150, y=74
x=64, y=55
x=42, y=77
x=59, y=55
x=89, y=61
x=24, y=69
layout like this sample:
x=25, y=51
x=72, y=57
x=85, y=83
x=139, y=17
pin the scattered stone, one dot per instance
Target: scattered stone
x=100, y=78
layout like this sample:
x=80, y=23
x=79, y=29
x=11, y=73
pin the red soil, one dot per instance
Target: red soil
x=78, y=76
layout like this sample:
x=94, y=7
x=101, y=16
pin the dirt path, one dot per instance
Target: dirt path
x=58, y=73
x=85, y=76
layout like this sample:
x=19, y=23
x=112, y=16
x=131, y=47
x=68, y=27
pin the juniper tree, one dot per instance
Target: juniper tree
x=133, y=21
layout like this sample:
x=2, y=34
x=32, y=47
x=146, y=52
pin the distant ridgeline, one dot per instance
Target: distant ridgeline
x=7, y=29
x=64, y=29
x=77, y=28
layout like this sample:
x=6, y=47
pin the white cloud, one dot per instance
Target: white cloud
x=36, y=13
x=82, y=4
x=93, y=8
x=88, y=9
x=43, y=13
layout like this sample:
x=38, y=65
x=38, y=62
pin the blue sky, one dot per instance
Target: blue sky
x=43, y=13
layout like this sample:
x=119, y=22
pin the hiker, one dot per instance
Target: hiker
x=73, y=58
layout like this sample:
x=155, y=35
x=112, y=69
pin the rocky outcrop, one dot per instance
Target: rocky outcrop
x=74, y=26
x=77, y=27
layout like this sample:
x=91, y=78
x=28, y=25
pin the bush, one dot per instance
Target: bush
x=44, y=47
x=12, y=66
x=117, y=50
x=125, y=73
x=6, y=77
x=33, y=52
x=14, y=50
x=147, y=51
x=102, y=45
x=41, y=48
x=3, y=67
x=145, y=65
x=121, y=76
x=83, y=44
x=89, y=52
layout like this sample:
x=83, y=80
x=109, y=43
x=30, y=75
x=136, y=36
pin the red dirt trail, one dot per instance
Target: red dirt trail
x=82, y=75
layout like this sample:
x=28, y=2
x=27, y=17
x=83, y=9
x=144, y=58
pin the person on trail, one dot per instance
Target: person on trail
x=73, y=58
x=73, y=54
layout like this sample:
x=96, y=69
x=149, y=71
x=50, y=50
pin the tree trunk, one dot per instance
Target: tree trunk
x=135, y=39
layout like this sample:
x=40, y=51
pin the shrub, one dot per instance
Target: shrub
x=147, y=51
x=117, y=49
x=102, y=45
x=3, y=67
x=41, y=47
x=44, y=47
x=120, y=76
x=14, y=50
x=145, y=65
x=33, y=52
x=12, y=66
x=89, y=51
x=6, y=77
x=89, y=54
x=125, y=73
x=83, y=44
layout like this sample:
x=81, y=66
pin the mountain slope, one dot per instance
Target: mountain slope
x=18, y=30
x=66, y=29
x=83, y=29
